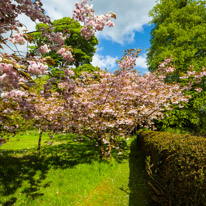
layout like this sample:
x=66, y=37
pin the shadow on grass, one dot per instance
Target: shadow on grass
x=18, y=167
x=139, y=191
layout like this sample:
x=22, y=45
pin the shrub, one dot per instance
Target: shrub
x=176, y=165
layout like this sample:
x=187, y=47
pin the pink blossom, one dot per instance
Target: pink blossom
x=198, y=89
x=17, y=39
x=66, y=54
x=92, y=23
x=37, y=68
x=69, y=72
x=61, y=51
x=44, y=49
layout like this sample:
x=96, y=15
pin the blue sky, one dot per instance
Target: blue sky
x=115, y=49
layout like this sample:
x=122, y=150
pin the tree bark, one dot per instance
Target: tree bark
x=105, y=150
x=39, y=142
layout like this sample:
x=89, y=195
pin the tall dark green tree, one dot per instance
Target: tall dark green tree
x=83, y=50
x=179, y=31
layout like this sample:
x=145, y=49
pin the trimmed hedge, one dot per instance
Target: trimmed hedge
x=176, y=165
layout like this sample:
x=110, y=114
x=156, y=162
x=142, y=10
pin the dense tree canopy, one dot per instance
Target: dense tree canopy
x=179, y=28
x=179, y=31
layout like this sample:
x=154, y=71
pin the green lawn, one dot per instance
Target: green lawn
x=68, y=172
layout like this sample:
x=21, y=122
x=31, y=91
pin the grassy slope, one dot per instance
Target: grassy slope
x=68, y=173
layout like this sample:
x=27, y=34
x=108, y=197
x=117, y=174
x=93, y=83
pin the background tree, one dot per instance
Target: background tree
x=82, y=49
x=179, y=28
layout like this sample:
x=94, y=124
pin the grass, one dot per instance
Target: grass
x=126, y=186
x=68, y=172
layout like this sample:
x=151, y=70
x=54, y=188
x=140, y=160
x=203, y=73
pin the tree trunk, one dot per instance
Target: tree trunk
x=105, y=151
x=76, y=64
x=101, y=152
x=108, y=152
x=39, y=142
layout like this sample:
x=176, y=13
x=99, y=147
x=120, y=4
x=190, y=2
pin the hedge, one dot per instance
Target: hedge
x=176, y=165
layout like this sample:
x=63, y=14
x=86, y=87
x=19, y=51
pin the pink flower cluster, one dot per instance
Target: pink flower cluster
x=9, y=77
x=81, y=11
x=44, y=49
x=15, y=94
x=37, y=68
x=9, y=11
x=58, y=37
x=198, y=89
x=69, y=72
x=87, y=32
x=197, y=76
x=165, y=67
x=51, y=111
x=128, y=62
x=92, y=23
x=17, y=39
x=165, y=63
x=113, y=105
x=66, y=54
x=5, y=68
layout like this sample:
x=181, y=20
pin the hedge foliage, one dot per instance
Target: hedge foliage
x=176, y=165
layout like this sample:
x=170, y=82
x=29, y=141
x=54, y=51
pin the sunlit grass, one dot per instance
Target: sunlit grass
x=23, y=141
x=69, y=172
x=63, y=173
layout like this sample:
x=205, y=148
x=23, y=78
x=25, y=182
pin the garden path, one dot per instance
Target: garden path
x=125, y=186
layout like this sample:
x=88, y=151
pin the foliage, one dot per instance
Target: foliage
x=82, y=49
x=175, y=163
x=178, y=32
x=191, y=118
x=86, y=68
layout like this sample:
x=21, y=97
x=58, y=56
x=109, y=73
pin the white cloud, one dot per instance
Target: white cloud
x=131, y=15
x=27, y=22
x=142, y=62
x=104, y=62
x=29, y=25
x=59, y=9
x=148, y=72
x=99, y=49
